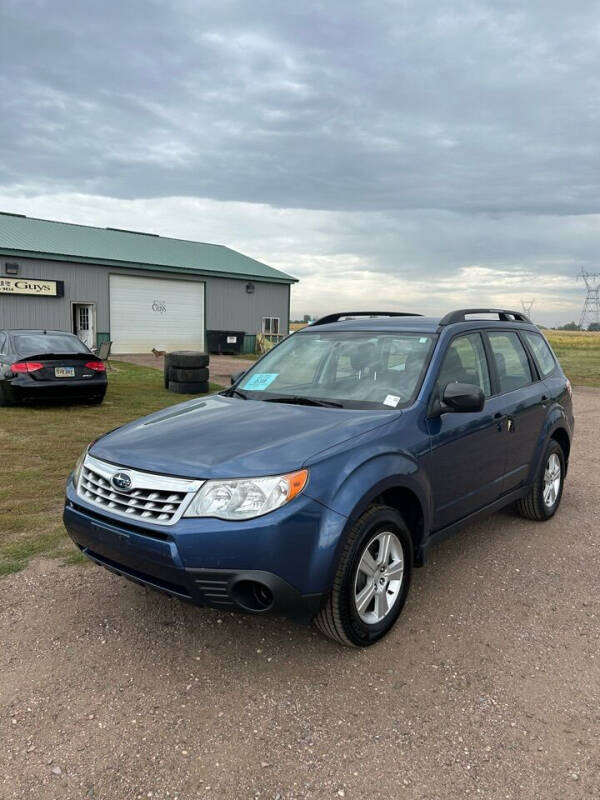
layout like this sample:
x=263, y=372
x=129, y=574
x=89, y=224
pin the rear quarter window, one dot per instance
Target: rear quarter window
x=542, y=353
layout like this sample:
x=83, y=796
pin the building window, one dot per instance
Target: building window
x=270, y=325
x=84, y=318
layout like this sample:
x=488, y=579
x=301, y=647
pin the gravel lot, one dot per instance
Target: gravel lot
x=489, y=685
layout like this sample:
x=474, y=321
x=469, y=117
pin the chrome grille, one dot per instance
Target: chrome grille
x=153, y=498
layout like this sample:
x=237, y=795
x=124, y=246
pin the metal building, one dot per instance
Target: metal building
x=139, y=290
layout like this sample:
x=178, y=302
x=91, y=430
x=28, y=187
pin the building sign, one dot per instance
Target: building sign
x=35, y=286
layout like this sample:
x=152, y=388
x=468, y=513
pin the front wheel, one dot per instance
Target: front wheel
x=372, y=580
x=544, y=497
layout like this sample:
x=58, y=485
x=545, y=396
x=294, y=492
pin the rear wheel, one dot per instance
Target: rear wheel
x=4, y=400
x=544, y=498
x=371, y=582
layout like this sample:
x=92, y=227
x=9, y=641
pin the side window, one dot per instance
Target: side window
x=512, y=366
x=541, y=353
x=2, y=343
x=465, y=362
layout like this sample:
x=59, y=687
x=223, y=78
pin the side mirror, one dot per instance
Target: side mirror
x=463, y=397
x=237, y=376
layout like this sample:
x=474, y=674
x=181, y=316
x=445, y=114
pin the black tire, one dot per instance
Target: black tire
x=188, y=375
x=181, y=387
x=339, y=619
x=186, y=359
x=4, y=401
x=166, y=375
x=533, y=505
x=96, y=401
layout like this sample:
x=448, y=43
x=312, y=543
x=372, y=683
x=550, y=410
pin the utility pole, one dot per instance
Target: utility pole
x=527, y=306
x=591, y=305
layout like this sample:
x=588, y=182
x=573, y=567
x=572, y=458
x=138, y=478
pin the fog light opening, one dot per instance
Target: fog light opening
x=252, y=596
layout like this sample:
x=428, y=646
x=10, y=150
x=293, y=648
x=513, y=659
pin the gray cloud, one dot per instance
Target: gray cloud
x=473, y=106
x=426, y=136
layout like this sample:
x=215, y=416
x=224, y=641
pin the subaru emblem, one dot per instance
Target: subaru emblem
x=121, y=481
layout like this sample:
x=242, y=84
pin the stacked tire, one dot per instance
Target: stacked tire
x=186, y=372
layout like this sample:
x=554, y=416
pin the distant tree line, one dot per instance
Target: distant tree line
x=573, y=326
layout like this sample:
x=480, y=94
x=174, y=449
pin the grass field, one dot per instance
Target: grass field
x=579, y=354
x=39, y=447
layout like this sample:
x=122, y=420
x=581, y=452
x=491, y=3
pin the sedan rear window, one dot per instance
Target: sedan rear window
x=36, y=344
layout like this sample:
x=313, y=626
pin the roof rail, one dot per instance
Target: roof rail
x=351, y=314
x=503, y=315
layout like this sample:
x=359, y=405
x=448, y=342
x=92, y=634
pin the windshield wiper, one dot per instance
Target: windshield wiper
x=302, y=401
x=236, y=393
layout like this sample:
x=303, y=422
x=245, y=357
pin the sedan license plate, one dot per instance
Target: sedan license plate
x=64, y=372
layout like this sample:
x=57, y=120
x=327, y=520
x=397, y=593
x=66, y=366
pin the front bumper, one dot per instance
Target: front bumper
x=281, y=563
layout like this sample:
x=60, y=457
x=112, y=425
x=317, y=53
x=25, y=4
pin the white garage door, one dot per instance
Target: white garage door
x=153, y=312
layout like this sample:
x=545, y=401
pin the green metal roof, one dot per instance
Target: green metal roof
x=62, y=241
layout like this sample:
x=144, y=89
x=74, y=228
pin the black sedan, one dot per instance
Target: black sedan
x=48, y=365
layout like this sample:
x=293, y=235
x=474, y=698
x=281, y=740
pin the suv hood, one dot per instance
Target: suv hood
x=226, y=437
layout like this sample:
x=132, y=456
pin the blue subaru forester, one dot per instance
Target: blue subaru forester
x=315, y=483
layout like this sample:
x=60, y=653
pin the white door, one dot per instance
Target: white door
x=84, y=323
x=163, y=314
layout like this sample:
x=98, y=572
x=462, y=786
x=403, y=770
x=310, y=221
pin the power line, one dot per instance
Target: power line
x=527, y=306
x=591, y=305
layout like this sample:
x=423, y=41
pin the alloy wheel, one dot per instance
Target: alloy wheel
x=552, y=479
x=379, y=577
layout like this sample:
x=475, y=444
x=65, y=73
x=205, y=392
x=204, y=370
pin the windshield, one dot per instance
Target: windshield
x=36, y=344
x=357, y=369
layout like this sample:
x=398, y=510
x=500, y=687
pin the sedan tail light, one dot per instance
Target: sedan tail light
x=97, y=366
x=26, y=366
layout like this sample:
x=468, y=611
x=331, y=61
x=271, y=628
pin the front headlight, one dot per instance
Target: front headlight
x=79, y=466
x=246, y=498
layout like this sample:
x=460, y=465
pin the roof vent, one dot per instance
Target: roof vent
x=137, y=233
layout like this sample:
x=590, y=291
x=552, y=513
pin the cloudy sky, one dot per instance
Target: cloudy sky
x=389, y=153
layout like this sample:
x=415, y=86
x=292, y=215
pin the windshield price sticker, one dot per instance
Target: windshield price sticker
x=260, y=381
x=391, y=400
